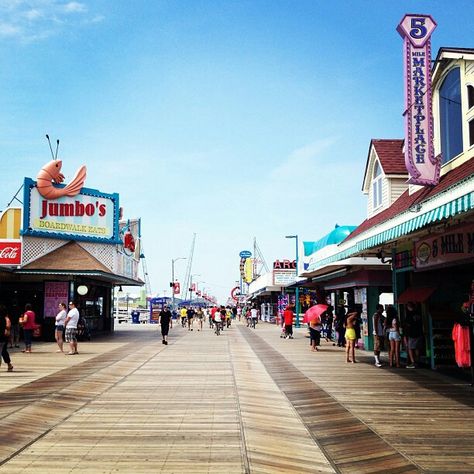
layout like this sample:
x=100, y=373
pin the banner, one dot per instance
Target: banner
x=423, y=167
x=10, y=253
x=55, y=292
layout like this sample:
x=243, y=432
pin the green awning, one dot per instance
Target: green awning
x=457, y=206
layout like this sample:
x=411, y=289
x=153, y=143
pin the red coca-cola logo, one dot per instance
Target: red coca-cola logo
x=10, y=253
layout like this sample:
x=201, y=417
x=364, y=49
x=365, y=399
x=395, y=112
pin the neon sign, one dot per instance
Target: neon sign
x=423, y=167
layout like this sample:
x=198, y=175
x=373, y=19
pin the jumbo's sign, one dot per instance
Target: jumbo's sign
x=88, y=215
x=423, y=167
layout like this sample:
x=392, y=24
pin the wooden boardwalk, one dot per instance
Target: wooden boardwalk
x=244, y=402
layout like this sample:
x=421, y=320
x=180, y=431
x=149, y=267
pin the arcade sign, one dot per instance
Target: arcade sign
x=284, y=265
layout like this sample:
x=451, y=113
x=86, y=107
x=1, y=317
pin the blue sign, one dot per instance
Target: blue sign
x=245, y=254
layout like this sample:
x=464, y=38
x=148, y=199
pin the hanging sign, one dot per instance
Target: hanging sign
x=454, y=246
x=423, y=167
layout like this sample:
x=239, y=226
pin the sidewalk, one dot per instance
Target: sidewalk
x=244, y=401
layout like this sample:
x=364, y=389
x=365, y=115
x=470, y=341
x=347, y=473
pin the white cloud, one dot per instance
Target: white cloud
x=9, y=30
x=32, y=20
x=74, y=7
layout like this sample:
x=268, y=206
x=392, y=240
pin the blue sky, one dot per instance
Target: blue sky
x=230, y=119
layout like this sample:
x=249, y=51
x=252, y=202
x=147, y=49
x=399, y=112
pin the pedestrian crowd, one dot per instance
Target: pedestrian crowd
x=343, y=328
x=12, y=324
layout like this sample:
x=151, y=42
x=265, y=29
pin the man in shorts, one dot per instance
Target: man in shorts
x=70, y=323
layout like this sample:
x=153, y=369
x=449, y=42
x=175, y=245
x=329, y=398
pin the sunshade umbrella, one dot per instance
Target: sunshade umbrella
x=314, y=312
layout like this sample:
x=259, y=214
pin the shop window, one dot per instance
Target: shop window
x=471, y=133
x=451, y=115
x=470, y=96
x=377, y=186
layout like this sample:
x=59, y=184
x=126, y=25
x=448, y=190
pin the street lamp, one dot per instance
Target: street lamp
x=172, y=279
x=297, y=290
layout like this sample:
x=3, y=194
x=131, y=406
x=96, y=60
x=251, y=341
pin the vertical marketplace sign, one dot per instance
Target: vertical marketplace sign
x=423, y=167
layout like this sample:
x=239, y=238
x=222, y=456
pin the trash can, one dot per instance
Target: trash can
x=135, y=317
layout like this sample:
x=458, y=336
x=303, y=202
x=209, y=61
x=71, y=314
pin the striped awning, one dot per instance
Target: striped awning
x=450, y=209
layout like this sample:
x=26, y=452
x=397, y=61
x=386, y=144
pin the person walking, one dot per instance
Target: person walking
x=288, y=318
x=183, y=314
x=166, y=322
x=200, y=317
x=70, y=324
x=315, y=333
x=59, y=326
x=14, y=316
x=190, y=315
x=340, y=325
x=378, y=332
x=254, y=316
x=413, y=332
x=351, y=337
x=217, y=321
x=5, y=326
x=28, y=322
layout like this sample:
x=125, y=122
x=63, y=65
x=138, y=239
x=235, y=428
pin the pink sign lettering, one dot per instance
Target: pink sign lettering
x=423, y=167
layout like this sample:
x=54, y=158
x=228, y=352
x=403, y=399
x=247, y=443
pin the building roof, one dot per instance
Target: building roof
x=337, y=235
x=391, y=156
x=71, y=257
x=406, y=200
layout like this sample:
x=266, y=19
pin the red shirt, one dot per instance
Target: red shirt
x=288, y=316
x=30, y=320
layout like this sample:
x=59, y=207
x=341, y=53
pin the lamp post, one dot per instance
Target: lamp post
x=172, y=279
x=297, y=290
x=119, y=292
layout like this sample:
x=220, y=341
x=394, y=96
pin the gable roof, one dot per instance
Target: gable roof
x=69, y=257
x=405, y=201
x=390, y=154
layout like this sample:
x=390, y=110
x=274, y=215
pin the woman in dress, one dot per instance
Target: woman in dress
x=59, y=328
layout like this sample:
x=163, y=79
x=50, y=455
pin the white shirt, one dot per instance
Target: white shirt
x=254, y=313
x=74, y=315
x=217, y=317
x=61, y=317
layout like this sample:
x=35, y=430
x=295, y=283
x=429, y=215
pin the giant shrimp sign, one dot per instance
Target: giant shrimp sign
x=89, y=215
x=423, y=167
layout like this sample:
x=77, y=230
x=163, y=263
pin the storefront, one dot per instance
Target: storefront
x=66, y=243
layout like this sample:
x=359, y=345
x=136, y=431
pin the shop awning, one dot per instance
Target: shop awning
x=416, y=295
x=452, y=208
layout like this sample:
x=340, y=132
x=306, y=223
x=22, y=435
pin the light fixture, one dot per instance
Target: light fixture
x=82, y=290
x=381, y=256
x=120, y=289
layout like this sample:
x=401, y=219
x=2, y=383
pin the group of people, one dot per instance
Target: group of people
x=345, y=328
x=66, y=323
x=389, y=331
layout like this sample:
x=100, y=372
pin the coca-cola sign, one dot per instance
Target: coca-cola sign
x=10, y=253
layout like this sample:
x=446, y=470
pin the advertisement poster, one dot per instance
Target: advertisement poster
x=55, y=292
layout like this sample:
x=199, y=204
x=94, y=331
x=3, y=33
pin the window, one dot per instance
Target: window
x=471, y=133
x=377, y=186
x=450, y=115
x=470, y=97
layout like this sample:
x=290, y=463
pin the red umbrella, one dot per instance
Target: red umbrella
x=314, y=312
